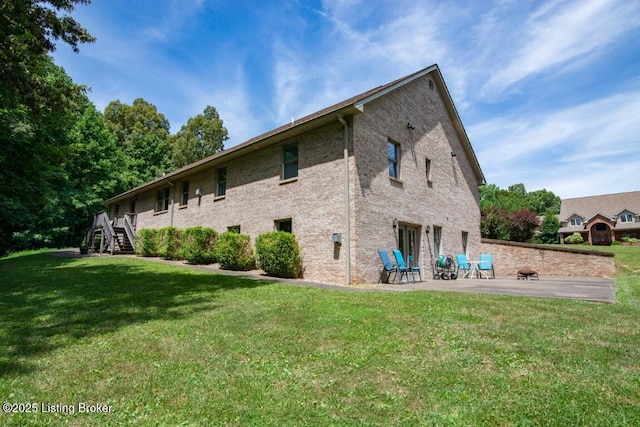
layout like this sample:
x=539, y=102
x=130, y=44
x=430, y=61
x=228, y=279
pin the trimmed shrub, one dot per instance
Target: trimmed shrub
x=233, y=251
x=146, y=242
x=168, y=243
x=574, y=239
x=197, y=245
x=278, y=254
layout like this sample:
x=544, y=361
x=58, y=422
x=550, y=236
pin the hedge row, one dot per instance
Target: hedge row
x=277, y=252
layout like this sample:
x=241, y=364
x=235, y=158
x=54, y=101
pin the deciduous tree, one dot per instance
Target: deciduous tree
x=202, y=136
x=142, y=132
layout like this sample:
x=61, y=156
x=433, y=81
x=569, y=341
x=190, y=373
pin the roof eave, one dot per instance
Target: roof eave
x=275, y=136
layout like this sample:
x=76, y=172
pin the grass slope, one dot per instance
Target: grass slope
x=162, y=345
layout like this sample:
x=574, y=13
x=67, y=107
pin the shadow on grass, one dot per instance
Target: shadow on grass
x=48, y=302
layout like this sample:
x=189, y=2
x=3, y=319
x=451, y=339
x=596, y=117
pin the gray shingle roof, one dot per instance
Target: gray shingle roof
x=607, y=205
x=353, y=105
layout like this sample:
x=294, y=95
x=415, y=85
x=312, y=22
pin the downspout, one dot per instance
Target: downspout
x=347, y=201
x=173, y=190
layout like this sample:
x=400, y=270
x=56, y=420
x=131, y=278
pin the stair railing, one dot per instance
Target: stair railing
x=130, y=228
x=88, y=238
x=107, y=231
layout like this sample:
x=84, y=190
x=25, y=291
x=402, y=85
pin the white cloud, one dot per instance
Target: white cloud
x=575, y=149
x=559, y=32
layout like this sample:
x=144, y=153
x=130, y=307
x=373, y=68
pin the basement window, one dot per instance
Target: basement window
x=284, y=225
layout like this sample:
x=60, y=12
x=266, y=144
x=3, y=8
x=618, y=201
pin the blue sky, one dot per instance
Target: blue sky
x=548, y=91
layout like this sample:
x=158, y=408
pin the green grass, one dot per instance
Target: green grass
x=165, y=345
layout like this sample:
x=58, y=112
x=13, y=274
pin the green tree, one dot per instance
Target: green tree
x=35, y=145
x=516, y=198
x=542, y=200
x=28, y=31
x=202, y=136
x=37, y=101
x=549, y=228
x=95, y=169
x=142, y=133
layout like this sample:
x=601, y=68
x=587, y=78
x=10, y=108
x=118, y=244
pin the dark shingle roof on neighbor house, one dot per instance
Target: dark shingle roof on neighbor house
x=607, y=205
x=348, y=107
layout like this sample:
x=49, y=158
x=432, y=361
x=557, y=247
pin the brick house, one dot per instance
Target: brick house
x=601, y=219
x=389, y=168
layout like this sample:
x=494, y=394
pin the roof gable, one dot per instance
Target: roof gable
x=351, y=106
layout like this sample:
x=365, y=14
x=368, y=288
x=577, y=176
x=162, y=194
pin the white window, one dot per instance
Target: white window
x=626, y=218
x=575, y=221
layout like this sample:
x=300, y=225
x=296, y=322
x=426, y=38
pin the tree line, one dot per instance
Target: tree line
x=514, y=214
x=60, y=156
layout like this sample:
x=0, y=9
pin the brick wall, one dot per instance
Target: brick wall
x=509, y=257
x=256, y=196
x=449, y=200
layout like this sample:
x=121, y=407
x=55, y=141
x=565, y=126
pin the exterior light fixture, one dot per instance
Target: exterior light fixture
x=395, y=223
x=453, y=154
x=198, y=192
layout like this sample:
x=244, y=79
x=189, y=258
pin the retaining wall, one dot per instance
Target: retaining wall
x=550, y=261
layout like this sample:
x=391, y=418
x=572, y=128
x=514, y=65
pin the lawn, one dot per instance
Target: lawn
x=153, y=344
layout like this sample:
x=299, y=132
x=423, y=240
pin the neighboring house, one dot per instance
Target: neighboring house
x=601, y=219
x=390, y=168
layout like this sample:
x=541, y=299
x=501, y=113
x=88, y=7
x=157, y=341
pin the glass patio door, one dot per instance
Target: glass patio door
x=409, y=242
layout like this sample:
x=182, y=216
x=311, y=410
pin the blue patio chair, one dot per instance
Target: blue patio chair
x=463, y=264
x=387, y=266
x=414, y=267
x=486, y=264
x=402, y=267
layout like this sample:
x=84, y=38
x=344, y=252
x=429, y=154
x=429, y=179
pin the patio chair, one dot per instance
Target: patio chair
x=402, y=267
x=463, y=264
x=486, y=264
x=387, y=266
x=414, y=267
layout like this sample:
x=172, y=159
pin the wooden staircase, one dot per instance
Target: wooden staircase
x=111, y=236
